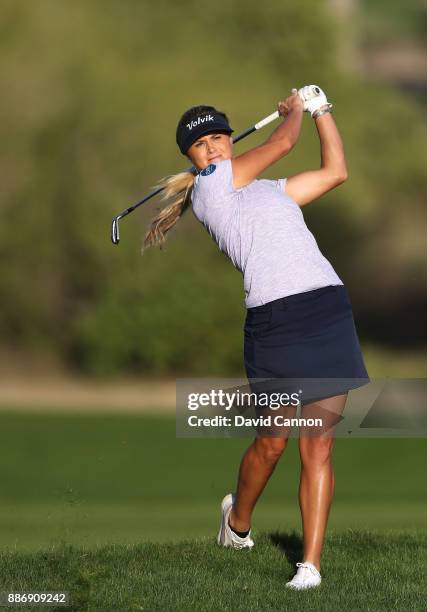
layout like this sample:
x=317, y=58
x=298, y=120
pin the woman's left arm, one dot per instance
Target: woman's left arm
x=305, y=187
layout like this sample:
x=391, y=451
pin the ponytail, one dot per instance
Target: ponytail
x=177, y=188
x=177, y=192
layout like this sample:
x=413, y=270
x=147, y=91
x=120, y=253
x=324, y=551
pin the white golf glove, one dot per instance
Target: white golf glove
x=313, y=98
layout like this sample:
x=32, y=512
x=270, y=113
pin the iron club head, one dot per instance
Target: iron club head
x=115, y=236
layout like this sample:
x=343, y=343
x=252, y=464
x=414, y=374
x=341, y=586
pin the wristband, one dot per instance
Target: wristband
x=321, y=111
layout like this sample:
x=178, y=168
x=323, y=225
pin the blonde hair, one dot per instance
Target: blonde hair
x=177, y=192
x=177, y=189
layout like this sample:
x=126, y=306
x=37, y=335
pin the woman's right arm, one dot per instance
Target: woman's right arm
x=308, y=186
x=249, y=165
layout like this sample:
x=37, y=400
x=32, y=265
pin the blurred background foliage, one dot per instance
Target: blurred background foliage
x=91, y=94
x=386, y=20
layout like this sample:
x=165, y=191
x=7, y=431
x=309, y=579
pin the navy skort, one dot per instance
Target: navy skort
x=306, y=335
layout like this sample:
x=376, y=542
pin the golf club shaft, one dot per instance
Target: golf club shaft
x=115, y=237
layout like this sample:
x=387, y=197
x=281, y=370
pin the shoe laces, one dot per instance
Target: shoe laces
x=309, y=567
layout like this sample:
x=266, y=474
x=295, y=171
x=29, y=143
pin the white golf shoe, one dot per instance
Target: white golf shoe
x=306, y=577
x=226, y=536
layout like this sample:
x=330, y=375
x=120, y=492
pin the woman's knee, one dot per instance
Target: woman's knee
x=316, y=450
x=270, y=449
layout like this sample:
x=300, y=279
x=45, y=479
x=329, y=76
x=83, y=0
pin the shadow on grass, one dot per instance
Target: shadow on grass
x=290, y=545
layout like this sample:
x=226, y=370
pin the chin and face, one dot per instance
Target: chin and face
x=210, y=149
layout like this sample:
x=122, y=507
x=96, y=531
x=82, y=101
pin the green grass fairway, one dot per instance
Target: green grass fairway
x=94, y=480
x=361, y=570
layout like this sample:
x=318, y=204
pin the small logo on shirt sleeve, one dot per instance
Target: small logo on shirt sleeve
x=208, y=170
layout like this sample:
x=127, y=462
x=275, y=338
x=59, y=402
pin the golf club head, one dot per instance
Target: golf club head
x=115, y=236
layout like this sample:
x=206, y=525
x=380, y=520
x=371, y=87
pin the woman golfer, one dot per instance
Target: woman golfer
x=299, y=320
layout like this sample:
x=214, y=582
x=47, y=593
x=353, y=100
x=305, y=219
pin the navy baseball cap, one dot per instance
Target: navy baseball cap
x=206, y=122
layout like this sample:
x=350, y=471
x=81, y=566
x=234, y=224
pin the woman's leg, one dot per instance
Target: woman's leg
x=257, y=465
x=317, y=479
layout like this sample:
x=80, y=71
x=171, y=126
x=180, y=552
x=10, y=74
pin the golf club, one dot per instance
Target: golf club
x=115, y=235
